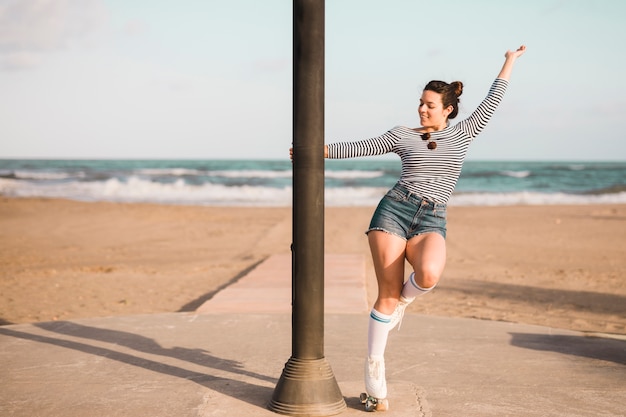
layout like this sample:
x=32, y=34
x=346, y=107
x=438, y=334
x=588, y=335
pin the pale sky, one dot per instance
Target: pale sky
x=209, y=79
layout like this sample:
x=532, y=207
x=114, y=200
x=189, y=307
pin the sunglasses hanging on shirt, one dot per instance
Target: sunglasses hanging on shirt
x=432, y=144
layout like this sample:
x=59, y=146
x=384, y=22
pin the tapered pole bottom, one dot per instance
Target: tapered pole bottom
x=307, y=387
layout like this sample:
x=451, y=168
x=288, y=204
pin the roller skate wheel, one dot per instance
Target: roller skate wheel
x=363, y=398
x=382, y=405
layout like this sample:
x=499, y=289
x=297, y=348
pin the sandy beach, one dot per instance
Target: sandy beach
x=557, y=266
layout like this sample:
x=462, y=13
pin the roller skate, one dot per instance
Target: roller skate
x=375, y=399
x=403, y=303
x=398, y=313
x=374, y=404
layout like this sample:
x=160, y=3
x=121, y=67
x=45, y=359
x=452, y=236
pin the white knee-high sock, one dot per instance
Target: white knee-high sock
x=378, y=332
x=411, y=290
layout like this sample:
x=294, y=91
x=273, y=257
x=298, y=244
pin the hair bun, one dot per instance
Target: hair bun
x=457, y=86
x=449, y=94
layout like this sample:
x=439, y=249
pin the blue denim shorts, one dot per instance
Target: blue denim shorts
x=407, y=215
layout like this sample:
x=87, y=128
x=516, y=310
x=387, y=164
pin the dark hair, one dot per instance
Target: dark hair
x=450, y=94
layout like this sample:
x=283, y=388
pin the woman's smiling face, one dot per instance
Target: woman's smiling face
x=433, y=116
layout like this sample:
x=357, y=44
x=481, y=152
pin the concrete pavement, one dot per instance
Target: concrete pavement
x=217, y=363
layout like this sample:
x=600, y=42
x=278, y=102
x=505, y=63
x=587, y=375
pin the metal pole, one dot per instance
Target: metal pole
x=307, y=386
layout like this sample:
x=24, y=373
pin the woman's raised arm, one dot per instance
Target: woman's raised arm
x=509, y=60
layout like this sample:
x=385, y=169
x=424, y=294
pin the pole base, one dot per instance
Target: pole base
x=307, y=388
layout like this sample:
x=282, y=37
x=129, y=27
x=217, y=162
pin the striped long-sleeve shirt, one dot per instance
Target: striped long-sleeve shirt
x=429, y=173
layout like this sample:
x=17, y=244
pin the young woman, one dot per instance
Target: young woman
x=410, y=220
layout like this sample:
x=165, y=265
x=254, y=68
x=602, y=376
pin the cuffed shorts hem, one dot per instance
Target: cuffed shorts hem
x=421, y=232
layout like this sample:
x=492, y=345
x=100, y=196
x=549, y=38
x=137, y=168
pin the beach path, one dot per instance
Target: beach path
x=267, y=288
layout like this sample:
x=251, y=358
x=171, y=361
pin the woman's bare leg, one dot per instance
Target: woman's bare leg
x=388, y=255
x=427, y=255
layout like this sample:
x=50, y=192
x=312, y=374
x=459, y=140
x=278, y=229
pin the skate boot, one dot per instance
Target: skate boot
x=398, y=313
x=375, y=399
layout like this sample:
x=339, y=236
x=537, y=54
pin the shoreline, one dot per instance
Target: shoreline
x=557, y=266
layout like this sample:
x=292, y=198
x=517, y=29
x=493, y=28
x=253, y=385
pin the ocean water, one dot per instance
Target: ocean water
x=352, y=182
